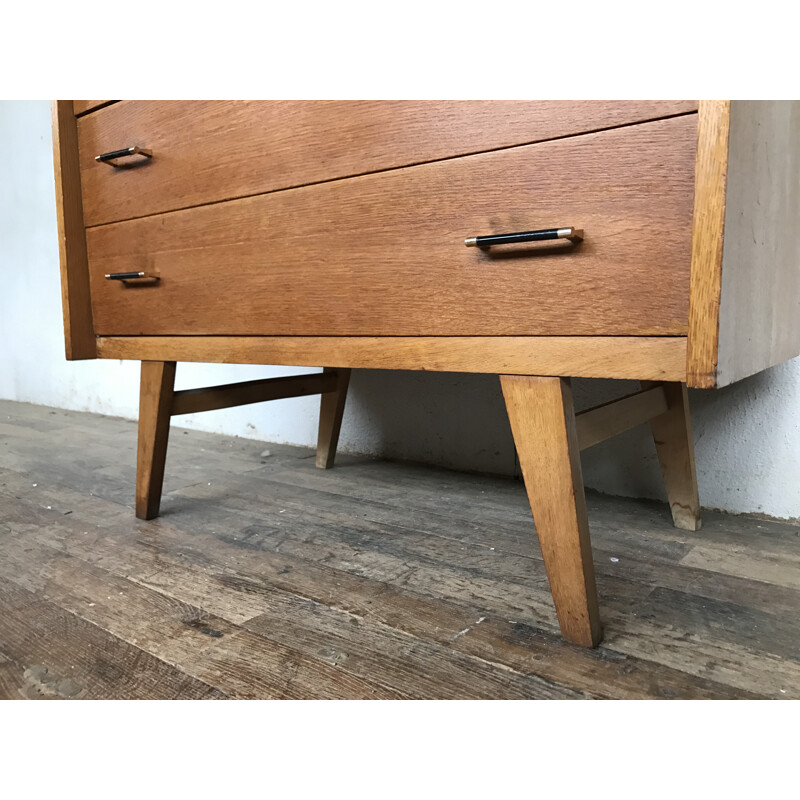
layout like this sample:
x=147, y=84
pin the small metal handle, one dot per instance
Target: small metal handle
x=108, y=158
x=131, y=276
x=573, y=234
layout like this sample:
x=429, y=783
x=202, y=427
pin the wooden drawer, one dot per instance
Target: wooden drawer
x=86, y=106
x=384, y=254
x=209, y=151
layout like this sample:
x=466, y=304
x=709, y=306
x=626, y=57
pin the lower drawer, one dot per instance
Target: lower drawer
x=384, y=254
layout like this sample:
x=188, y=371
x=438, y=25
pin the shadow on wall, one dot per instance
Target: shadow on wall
x=451, y=419
x=747, y=440
x=456, y=420
x=747, y=436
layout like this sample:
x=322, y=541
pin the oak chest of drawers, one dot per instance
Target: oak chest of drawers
x=652, y=240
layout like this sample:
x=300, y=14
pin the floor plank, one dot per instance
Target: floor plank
x=14, y=685
x=232, y=581
x=417, y=667
x=62, y=655
x=203, y=646
x=266, y=577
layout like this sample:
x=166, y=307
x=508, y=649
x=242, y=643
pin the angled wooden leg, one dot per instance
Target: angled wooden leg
x=672, y=432
x=543, y=422
x=331, y=411
x=155, y=405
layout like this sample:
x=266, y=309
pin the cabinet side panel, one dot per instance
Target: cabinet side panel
x=76, y=303
x=707, y=242
x=760, y=298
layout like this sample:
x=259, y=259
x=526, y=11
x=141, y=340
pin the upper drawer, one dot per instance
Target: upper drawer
x=85, y=106
x=207, y=151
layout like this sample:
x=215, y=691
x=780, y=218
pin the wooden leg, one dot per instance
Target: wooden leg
x=331, y=411
x=672, y=433
x=155, y=405
x=543, y=423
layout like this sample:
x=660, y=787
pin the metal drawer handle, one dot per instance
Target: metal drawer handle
x=108, y=158
x=573, y=234
x=132, y=276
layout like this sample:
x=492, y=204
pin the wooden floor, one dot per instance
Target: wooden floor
x=268, y=578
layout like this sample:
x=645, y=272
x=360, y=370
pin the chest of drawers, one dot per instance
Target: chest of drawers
x=657, y=243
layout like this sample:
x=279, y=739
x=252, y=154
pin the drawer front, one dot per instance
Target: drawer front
x=207, y=151
x=384, y=254
x=85, y=106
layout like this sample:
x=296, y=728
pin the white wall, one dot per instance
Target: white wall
x=747, y=436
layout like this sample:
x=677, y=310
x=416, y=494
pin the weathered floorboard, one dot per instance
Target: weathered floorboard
x=266, y=577
x=232, y=579
x=239, y=663
x=67, y=657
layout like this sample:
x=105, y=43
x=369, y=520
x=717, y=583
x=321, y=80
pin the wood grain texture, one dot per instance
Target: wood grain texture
x=331, y=411
x=672, y=433
x=13, y=682
x=155, y=404
x=759, y=313
x=205, y=647
x=193, y=401
x=64, y=656
x=182, y=561
x=236, y=578
x=85, y=106
x=543, y=422
x=595, y=425
x=207, y=151
x=362, y=647
x=384, y=254
x=638, y=358
x=708, y=228
x=401, y=545
x=75, y=298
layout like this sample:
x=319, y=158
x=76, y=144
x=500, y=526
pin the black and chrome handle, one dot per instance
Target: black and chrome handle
x=110, y=158
x=573, y=234
x=131, y=276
